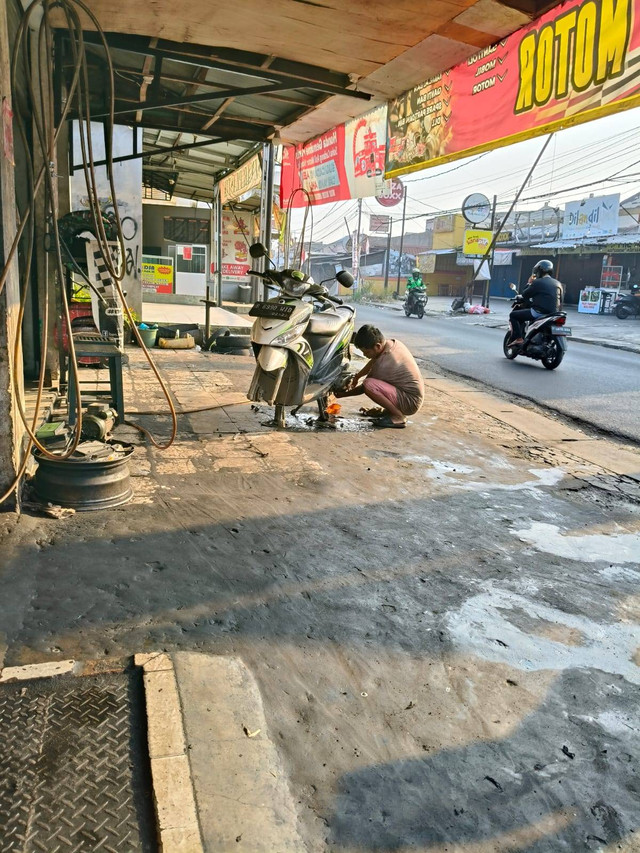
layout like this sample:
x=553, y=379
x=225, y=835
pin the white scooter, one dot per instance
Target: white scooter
x=302, y=354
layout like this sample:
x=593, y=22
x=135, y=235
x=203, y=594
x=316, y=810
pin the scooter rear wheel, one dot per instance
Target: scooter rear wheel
x=553, y=360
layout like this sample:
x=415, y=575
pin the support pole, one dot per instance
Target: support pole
x=404, y=212
x=11, y=428
x=486, y=297
x=266, y=208
x=491, y=246
x=217, y=207
x=356, y=247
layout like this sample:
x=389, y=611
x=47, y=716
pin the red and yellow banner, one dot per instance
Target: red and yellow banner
x=576, y=63
x=346, y=162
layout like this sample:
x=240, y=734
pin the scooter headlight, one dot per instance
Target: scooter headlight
x=290, y=335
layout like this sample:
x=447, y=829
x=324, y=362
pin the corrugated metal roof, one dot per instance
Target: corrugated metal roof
x=592, y=242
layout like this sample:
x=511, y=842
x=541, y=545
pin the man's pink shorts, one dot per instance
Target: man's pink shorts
x=384, y=389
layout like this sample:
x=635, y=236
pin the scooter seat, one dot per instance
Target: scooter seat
x=325, y=323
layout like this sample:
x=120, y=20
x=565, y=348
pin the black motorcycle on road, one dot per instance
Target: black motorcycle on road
x=415, y=301
x=628, y=304
x=544, y=339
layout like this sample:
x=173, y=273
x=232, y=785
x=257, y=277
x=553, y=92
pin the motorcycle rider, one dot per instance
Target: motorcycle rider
x=414, y=283
x=542, y=296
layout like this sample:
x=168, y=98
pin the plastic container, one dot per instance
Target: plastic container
x=149, y=336
x=244, y=293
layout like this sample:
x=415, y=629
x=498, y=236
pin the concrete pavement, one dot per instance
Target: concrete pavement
x=442, y=622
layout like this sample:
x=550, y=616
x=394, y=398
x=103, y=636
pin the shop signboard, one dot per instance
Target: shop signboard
x=575, y=63
x=346, y=162
x=589, y=302
x=245, y=178
x=392, y=193
x=157, y=274
x=379, y=224
x=476, y=242
x=591, y=217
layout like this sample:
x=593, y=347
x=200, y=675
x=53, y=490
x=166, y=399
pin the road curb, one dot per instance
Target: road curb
x=173, y=794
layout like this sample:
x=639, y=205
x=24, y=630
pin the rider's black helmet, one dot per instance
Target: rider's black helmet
x=543, y=268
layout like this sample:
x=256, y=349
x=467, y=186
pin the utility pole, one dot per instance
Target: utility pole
x=356, y=248
x=388, y=256
x=404, y=211
x=486, y=298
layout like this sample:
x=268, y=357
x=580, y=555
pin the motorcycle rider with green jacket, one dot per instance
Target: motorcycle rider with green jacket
x=414, y=283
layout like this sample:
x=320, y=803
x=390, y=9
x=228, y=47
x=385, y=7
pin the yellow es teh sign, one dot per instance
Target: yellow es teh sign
x=476, y=242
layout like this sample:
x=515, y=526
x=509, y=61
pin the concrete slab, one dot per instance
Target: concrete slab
x=241, y=786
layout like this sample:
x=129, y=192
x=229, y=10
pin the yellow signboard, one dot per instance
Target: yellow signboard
x=476, y=242
x=157, y=274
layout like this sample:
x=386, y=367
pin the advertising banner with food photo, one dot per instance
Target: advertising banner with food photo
x=346, y=162
x=237, y=231
x=576, y=63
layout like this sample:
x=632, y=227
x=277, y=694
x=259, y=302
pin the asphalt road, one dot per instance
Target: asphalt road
x=598, y=385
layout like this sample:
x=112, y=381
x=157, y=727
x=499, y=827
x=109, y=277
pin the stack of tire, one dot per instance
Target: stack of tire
x=223, y=341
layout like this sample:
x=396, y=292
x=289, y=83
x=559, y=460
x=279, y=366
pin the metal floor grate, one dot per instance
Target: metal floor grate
x=73, y=766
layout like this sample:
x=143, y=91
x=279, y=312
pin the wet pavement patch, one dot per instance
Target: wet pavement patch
x=73, y=765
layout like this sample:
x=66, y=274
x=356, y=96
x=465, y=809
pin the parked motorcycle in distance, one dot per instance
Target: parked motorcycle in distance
x=415, y=301
x=628, y=304
x=301, y=354
x=544, y=339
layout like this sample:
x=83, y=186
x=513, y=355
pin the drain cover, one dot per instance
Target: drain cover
x=74, y=770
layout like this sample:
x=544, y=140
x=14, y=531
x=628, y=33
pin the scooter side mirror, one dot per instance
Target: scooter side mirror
x=512, y=286
x=345, y=278
x=257, y=250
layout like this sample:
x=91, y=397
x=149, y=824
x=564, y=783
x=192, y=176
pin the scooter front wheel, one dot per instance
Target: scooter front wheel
x=407, y=312
x=509, y=351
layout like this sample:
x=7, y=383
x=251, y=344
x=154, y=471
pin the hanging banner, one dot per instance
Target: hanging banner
x=247, y=177
x=237, y=234
x=576, y=63
x=591, y=217
x=346, y=162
